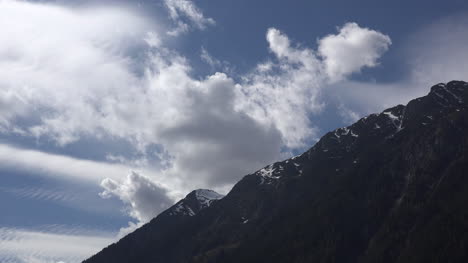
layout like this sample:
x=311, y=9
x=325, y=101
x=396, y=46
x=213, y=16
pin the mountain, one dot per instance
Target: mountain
x=193, y=203
x=393, y=187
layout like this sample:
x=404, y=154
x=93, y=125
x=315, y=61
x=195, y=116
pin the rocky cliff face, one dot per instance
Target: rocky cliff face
x=393, y=187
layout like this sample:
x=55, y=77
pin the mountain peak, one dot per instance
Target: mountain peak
x=206, y=196
x=453, y=93
x=194, y=202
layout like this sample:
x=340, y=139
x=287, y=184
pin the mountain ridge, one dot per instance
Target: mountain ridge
x=362, y=193
x=194, y=202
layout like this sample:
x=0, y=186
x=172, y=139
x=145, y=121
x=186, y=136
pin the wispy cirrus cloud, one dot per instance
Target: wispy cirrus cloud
x=186, y=15
x=38, y=193
x=59, y=166
x=29, y=246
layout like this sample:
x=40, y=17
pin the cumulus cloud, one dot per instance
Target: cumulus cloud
x=194, y=120
x=283, y=93
x=351, y=49
x=183, y=12
x=212, y=141
x=82, y=77
x=144, y=198
x=105, y=91
x=288, y=93
x=85, y=77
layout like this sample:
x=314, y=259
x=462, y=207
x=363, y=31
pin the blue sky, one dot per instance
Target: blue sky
x=110, y=112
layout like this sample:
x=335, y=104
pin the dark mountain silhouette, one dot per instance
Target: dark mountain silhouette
x=393, y=187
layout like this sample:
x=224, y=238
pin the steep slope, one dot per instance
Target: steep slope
x=193, y=203
x=393, y=187
x=161, y=232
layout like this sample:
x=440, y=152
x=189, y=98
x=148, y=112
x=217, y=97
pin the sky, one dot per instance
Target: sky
x=111, y=111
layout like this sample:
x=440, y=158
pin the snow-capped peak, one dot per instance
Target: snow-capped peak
x=205, y=197
x=194, y=202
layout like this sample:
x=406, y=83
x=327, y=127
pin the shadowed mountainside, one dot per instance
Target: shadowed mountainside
x=393, y=187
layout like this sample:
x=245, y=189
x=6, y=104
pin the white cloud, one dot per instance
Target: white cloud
x=81, y=77
x=26, y=246
x=153, y=40
x=210, y=140
x=106, y=91
x=288, y=93
x=284, y=93
x=279, y=43
x=51, y=54
x=144, y=198
x=74, y=73
x=185, y=10
x=180, y=28
x=84, y=171
x=351, y=49
x=205, y=56
x=58, y=166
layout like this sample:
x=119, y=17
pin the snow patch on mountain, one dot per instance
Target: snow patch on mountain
x=268, y=172
x=195, y=202
x=182, y=209
x=205, y=197
x=395, y=120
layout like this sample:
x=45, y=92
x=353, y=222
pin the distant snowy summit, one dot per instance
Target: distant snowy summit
x=194, y=202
